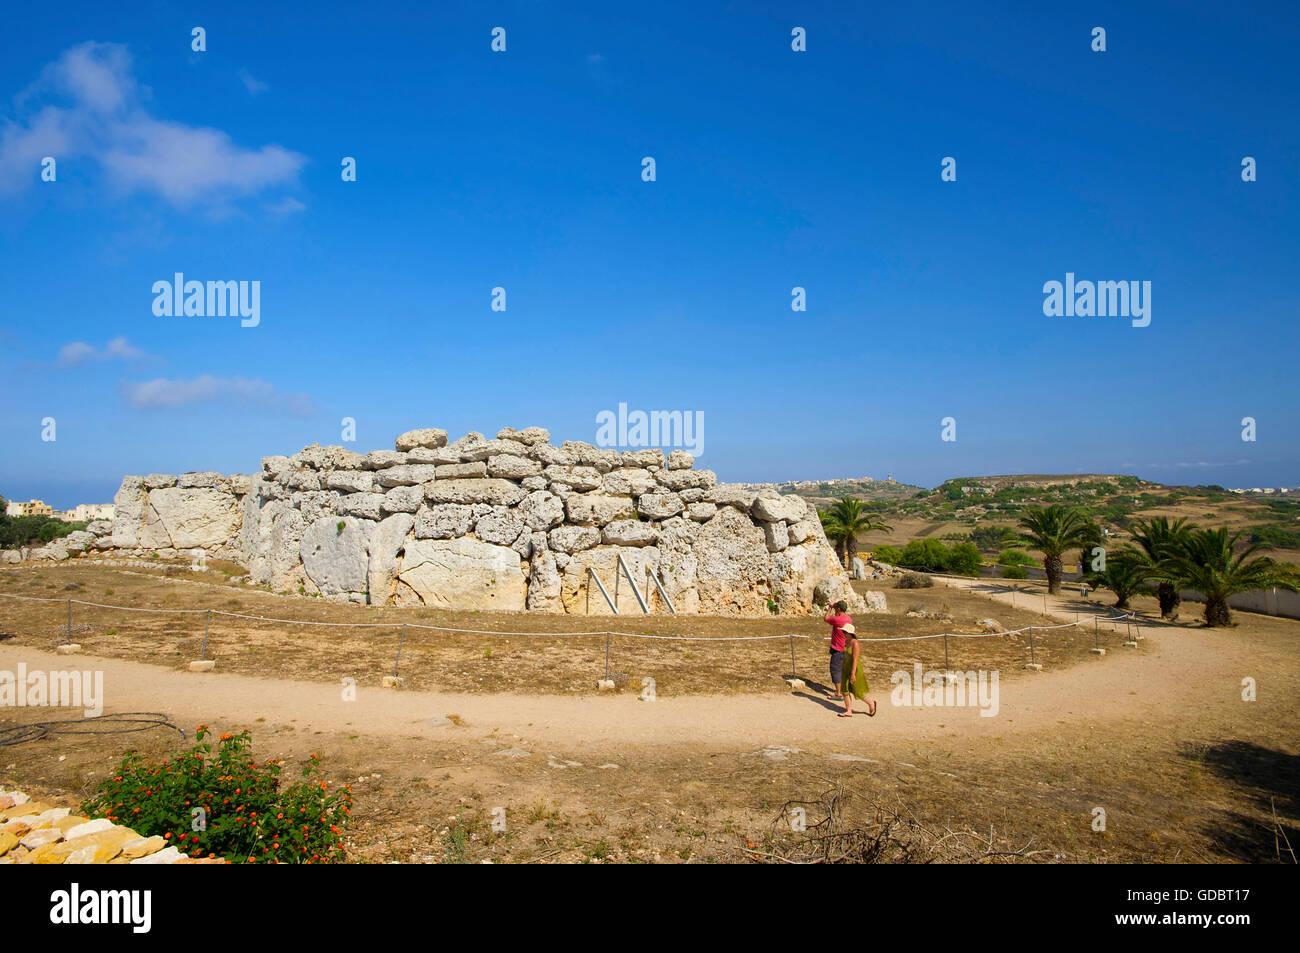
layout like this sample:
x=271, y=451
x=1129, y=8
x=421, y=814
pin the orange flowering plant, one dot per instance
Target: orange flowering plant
x=224, y=804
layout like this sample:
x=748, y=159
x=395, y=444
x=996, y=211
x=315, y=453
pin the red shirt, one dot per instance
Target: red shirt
x=837, y=623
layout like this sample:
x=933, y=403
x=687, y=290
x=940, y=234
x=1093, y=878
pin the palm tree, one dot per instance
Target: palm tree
x=1210, y=564
x=856, y=519
x=1124, y=575
x=1157, y=539
x=834, y=532
x=1052, y=530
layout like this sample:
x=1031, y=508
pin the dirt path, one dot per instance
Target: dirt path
x=1105, y=689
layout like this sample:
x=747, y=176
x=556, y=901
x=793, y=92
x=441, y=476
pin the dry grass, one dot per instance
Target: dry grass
x=486, y=661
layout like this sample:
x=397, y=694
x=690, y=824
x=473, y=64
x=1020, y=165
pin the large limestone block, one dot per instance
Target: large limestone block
x=511, y=467
x=382, y=459
x=405, y=474
x=129, y=503
x=444, y=521
x=573, y=539
x=581, y=479
x=303, y=478
x=653, y=457
x=464, y=574
x=678, y=565
x=630, y=533
x=502, y=528
x=335, y=554
x=797, y=572
x=430, y=438
x=687, y=479
x=208, y=480
x=597, y=509
x=159, y=481
x=550, y=456
x=492, y=491
x=284, y=555
x=196, y=517
x=733, y=565
x=544, y=583
x=604, y=561
x=777, y=536
x=731, y=494
x=680, y=460
x=365, y=505
x=404, y=499
x=386, y=542
x=588, y=455
x=461, y=471
x=314, y=504
x=529, y=436
x=628, y=481
x=776, y=508
x=440, y=456
x=351, y=481
x=659, y=505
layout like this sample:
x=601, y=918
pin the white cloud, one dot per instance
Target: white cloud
x=161, y=393
x=95, y=109
x=78, y=353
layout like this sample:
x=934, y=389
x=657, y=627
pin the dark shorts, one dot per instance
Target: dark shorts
x=837, y=667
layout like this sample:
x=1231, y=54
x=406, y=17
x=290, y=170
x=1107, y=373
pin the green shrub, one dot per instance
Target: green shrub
x=249, y=817
x=914, y=580
x=1014, y=572
x=1016, y=557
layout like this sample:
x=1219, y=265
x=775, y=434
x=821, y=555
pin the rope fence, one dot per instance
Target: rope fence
x=1129, y=619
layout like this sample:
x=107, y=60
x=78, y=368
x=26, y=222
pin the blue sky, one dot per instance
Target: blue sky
x=775, y=169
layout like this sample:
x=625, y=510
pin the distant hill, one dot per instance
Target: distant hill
x=956, y=508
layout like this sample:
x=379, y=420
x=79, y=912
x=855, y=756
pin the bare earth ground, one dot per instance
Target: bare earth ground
x=1157, y=735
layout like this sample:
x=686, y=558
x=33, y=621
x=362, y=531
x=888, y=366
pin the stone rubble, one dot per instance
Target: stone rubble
x=33, y=832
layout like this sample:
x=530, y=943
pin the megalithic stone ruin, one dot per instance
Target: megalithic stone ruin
x=508, y=524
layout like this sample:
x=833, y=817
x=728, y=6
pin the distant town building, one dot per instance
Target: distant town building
x=81, y=513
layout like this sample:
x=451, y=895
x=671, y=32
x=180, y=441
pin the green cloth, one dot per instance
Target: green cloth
x=855, y=685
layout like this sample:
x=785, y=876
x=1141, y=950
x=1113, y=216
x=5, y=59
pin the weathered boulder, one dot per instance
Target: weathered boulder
x=575, y=578
x=773, y=508
x=430, y=438
x=351, y=481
